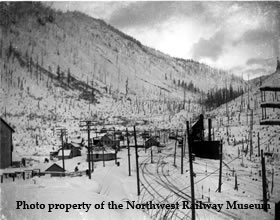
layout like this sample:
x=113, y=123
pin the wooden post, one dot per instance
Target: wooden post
x=209, y=129
x=62, y=145
x=221, y=164
x=175, y=152
x=191, y=170
x=151, y=154
x=102, y=158
x=272, y=181
x=89, y=156
x=137, y=166
x=277, y=211
x=264, y=184
x=128, y=153
x=236, y=185
x=92, y=161
x=182, y=155
x=259, y=152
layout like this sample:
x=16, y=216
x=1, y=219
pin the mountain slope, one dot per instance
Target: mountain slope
x=58, y=68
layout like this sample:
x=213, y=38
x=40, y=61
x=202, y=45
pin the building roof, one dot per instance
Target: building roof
x=56, y=166
x=66, y=153
x=272, y=83
x=7, y=124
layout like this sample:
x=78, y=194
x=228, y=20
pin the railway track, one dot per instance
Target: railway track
x=162, y=182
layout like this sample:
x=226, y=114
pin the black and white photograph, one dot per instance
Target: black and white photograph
x=140, y=110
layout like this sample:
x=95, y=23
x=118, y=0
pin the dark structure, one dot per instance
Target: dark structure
x=101, y=155
x=75, y=149
x=201, y=148
x=6, y=144
x=55, y=170
x=270, y=98
x=110, y=141
x=152, y=141
x=70, y=150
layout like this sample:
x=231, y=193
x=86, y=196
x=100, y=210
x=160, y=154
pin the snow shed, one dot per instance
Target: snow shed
x=201, y=148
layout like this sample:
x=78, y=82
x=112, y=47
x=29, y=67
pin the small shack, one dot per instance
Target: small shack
x=70, y=150
x=6, y=144
x=102, y=153
x=200, y=147
x=55, y=170
x=109, y=140
x=152, y=141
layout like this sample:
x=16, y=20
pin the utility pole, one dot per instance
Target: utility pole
x=62, y=132
x=151, y=154
x=251, y=133
x=128, y=153
x=191, y=170
x=88, y=124
x=264, y=184
x=175, y=152
x=259, y=153
x=221, y=165
x=236, y=185
x=182, y=155
x=272, y=181
x=137, y=166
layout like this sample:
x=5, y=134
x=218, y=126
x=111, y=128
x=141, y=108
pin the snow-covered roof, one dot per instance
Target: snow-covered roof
x=66, y=153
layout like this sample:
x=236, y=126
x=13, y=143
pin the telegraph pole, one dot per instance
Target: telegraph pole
x=182, y=155
x=88, y=124
x=137, y=166
x=264, y=184
x=128, y=153
x=259, y=153
x=175, y=149
x=191, y=170
x=221, y=164
x=251, y=133
x=62, y=132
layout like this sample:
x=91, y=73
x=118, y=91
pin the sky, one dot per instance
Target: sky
x=239, y=37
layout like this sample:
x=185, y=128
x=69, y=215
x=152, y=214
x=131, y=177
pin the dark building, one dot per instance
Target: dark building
x=201, y=148
x=6, y=144
x=110, y=141
x=152, y=141
x=270, y=99
x=102, y=153
x=55, y=170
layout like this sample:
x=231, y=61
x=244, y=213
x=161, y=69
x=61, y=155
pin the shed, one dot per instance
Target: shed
x=152, y=141
x=108, y=140
x=74, y=147
x=6, y=144
x=55, y=170
x=103, y=153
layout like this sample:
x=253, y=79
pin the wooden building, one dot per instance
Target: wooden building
x=6, y=144
x=103, y=153
x=109, y=140
x=270, y=99
x=152, y=141
x=205, y=149
x=70, y=150
x=55, y=170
